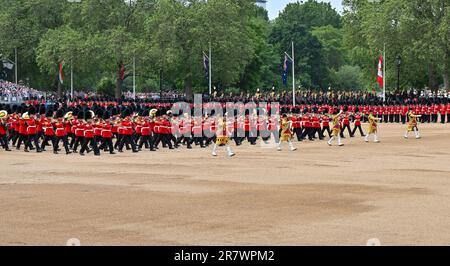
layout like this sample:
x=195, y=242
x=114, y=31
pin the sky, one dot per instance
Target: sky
x=275, y=6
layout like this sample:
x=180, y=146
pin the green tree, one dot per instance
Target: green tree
x=296, y=24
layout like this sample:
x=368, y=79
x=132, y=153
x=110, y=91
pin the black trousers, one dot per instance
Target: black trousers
x=118, y=140
x=360, y=131
x=327, y=129
x=93, y=143
x=349, y=130
x=317, y=130
x=22, y=138
x=107, y=142
x=78, y=142
x=298, y=133
x=147, y=141
x=236, y=138
x=443, y=119
x=13, y=135
x=46, y=140
x=64, y=141
x=403, y=117
x=32, y=139
x=448, y=118
x=4, y=142
x=434, y=118
x=251, y=138
x=198, y=141
x=307, y=131
x=128, y=140
x=187, y=140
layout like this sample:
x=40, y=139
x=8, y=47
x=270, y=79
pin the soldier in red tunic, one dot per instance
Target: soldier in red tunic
x=3, y=130
x=296, y=124
x=357, y=123
x=442, y=111
x=49, y=132
x=325, y=124
x=89, y=135
x=22, y=130
x=127, y=131
x=448, y=112
x=346, y=125
x=316, y=124
x=60, y=133
x=146, y=135
x=306, y=125
x=106, y=133
x=32, y=132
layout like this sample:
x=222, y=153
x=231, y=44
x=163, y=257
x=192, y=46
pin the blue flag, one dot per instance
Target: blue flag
x=206, y=66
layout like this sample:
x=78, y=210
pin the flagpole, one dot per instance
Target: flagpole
x=71, y=79
x=384, y=72
x=293, y=75
x=15, y=64
x=134, y=77
x=209, y=70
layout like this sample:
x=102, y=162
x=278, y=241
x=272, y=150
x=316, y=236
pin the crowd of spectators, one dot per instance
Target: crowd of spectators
x=9, y=90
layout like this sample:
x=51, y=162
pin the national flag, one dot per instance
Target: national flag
x=61, y=72
x=380, y=75
x=206, y=66
x=285, y=69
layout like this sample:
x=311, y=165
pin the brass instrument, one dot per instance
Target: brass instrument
x=68, y=116
x=3, y=114
x=25, y=116
x=92, y=113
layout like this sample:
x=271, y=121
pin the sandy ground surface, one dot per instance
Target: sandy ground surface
x=397, y=191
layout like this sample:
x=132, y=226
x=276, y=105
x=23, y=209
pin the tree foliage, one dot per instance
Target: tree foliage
x=167, y=39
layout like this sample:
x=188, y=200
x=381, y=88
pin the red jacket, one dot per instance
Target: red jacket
x=106, y=130
x=88, y=131
x=32, y=127
x=60, y=132
x=127, y=128
x=22, y=127
x=49, y=131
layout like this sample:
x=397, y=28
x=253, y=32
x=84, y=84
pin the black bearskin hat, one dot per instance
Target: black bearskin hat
x=87, y=115
x=49, y=113
x=42, y=110
x=31, y=110
x=106, y=115
x=59, y=113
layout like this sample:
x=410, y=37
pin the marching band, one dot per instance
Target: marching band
x=98, y=126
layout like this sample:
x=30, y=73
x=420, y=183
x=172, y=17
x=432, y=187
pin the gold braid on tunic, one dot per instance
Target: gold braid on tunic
x=412, y=121
x=373, y=124
x=221, y=133
x=336, y=126
x=285, y=130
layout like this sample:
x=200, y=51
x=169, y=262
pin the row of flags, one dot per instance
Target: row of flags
x=287, y=61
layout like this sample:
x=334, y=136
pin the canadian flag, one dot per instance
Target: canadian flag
x=61, y=73
x=380, y=75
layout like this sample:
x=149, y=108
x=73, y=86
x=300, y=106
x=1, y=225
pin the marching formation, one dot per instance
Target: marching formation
x=100, y=126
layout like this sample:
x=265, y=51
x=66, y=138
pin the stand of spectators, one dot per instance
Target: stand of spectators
x=13, y=90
